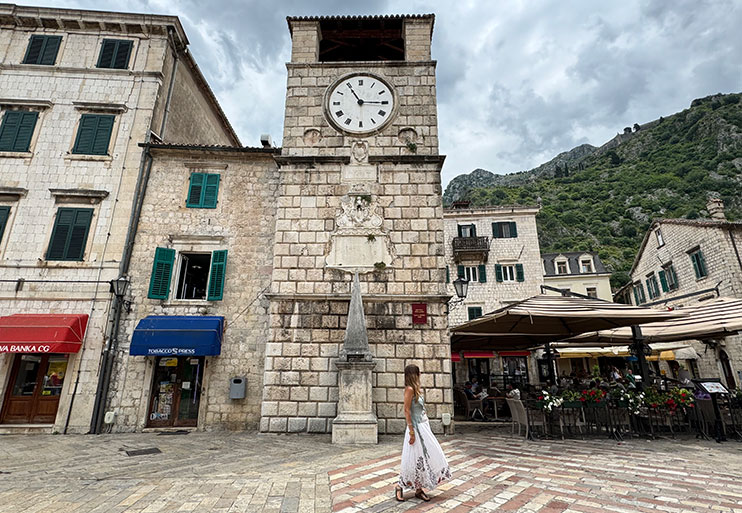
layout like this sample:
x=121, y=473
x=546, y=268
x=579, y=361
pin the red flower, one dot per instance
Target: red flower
x=540, y=398
x=582, y=399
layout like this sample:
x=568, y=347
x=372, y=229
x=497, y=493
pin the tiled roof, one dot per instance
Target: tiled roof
x=706, y=223
x=573, y=263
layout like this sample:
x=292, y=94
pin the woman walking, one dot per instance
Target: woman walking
x=423, y=464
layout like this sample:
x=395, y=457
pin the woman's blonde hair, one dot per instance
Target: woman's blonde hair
x=412, y=379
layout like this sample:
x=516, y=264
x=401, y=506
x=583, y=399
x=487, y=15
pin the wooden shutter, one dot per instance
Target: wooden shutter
x=663, y=281
x=495, y=231
x=519, y=276
x=121, y=57
x=4, y=215
x=702, y=264
x=473, y=230
x=498, y=273
x=102, y=138
x=636, y=295
x=195, y=190
x=460, y=271
x=86, y=134
x=107, y=50
x=448, y=272
x=458, y=228
x=513, y=229
x=25, y=131
x=216, y=279
x=79, y=234
x=474, y=312
x=162, y=269
x=673, y=276
x=17, y=130
x=482, y=271
x=33, y=51
x=60, y=234
x=49, y=52
x=211, y=191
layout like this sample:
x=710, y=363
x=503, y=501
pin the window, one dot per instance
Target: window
x=4, y=216
x=668, y=278
x=639, y=296
x=592, y=292
x=504, y=230
x=652, y=288
x=114, y=53
x=699, y=263
x=475, y=312
x=42, y=50
x=467, y=230
x=200, y=275
x=562, y=267
x=70, y=234
x=203, y=190
x=660, y=240
x=93, y=134
x=586, y=266
x=17, y=130
x=509, y=272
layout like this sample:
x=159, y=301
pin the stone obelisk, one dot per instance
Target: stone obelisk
x=356, y=422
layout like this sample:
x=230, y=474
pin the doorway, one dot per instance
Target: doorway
x=34, y=389
x=176, y=391
x=726, y=367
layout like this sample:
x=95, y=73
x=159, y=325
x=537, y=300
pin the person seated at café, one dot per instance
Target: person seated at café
x=468, y=390
x=512, y=393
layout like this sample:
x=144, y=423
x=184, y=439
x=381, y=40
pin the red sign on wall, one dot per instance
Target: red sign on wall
x=419, y=313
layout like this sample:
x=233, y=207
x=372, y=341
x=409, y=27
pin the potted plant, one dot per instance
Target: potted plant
x=548, y=402
x=571, y=399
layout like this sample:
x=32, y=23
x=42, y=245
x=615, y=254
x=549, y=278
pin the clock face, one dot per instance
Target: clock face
x=360, y=104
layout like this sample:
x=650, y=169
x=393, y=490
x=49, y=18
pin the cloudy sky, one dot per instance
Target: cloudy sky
x=518, y=81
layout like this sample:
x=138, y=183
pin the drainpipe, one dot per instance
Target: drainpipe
x=734, y=246
x=145, y=168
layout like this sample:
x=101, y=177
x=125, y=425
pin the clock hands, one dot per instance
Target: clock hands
x=360, y=102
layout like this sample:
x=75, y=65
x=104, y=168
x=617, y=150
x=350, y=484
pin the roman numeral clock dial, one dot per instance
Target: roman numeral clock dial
x=360, y=104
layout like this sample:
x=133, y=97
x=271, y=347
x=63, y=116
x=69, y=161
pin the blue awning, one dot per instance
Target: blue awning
x=178, y=335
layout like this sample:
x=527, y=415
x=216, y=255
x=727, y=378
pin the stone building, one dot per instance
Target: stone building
x=682, y=261
x=359, y=191
x=205, y=261
x=79, y=90
x=497, y=250
x=577, y=271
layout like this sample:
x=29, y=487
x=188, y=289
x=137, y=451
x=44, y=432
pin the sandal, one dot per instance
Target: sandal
x=420, y=494
x=399, y=493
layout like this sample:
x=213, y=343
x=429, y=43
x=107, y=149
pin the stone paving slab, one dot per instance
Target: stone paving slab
x=249, y=472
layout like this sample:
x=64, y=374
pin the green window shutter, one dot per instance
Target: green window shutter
x=33, y=51
x=641, y=293
x=482, y=272
x=495, y=231
x=694, y=261
x=216, y=279
x=123, y=51
x=49, y=52
x=4, y=215
x=649, y=289
x=498, y=273
x=162, y=269
x=107, y=49
x=195, y=190
x=663, y=281
x=636, y=295
x=448, y=275
x=702, y=264
x=513, y=229
x=93, y=134
x=519, y=272
x=458, y=228
x=474, y=312
x=460, y=271
x=17, y=130
x=70, y=234
x=211, y=191
x=473, y=230
x=674, y=276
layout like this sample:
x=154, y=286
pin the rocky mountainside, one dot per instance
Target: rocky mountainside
x=603, y=199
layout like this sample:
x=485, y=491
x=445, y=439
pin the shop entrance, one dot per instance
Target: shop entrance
x=34, y=389
x=176, y=391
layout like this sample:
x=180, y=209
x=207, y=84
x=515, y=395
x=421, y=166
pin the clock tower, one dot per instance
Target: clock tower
x=359, y=193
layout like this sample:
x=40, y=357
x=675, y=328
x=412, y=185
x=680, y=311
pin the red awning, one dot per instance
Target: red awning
x=42, y=333
x=455, y=357
x=514, y=353
x=479, y=354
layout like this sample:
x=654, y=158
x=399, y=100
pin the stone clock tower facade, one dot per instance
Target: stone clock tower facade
x=359, y=192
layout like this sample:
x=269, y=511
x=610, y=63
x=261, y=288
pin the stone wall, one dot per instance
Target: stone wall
x=243, y=223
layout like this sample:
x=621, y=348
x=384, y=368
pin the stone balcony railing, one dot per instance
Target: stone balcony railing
x=471, y=247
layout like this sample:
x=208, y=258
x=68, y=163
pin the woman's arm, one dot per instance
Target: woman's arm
x=408, y=394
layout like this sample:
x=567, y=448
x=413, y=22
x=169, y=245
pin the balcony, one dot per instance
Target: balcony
x=471, y=248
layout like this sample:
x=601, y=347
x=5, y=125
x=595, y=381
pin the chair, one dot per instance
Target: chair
x=470, y=406
x=515, y=415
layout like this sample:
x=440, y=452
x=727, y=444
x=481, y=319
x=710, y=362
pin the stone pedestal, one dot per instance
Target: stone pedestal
x=356, y=422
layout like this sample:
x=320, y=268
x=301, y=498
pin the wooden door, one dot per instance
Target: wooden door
x=34, y=389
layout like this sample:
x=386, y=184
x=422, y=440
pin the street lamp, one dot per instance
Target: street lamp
x=119, y=286
x=461, y=286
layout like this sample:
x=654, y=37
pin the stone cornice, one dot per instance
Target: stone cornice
x=299, y=160
x=91, y=196
x=73, y=70
x=407, y=159
x=359, y=64
x=375, y=298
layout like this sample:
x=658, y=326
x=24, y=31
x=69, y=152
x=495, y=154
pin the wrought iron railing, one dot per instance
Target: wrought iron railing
x=471, y=243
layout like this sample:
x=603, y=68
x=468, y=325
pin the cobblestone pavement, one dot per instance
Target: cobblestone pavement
x=248, y=472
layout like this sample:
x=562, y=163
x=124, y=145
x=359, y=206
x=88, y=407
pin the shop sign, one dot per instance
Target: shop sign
x=26, y=348
x=419, y=313
x=175, y=351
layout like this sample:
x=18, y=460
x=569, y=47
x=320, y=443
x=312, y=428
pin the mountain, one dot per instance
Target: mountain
x=603, y=199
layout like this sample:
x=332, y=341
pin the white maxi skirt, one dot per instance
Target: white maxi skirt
x=423, y=463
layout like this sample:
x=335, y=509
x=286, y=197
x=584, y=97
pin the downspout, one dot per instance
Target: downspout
x=145, y=168
x=734, y=246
